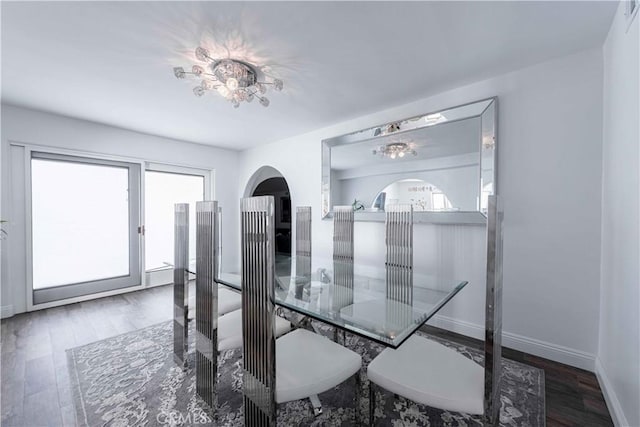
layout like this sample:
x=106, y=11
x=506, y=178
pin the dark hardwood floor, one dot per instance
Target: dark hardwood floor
x=573, y=396
x=36, y=388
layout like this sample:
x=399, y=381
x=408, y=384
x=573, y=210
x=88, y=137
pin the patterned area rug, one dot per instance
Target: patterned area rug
x=132, y=380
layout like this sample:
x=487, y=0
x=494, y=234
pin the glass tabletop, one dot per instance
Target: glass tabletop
x=355, y=298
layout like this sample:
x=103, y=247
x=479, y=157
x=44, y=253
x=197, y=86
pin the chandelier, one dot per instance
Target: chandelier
x=235, y=80
x=395, y=150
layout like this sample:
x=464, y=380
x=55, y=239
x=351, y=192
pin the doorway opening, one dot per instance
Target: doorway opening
x=279, y=189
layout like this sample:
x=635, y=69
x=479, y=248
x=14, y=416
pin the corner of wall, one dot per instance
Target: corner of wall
x=616, y=363
x=613, y=404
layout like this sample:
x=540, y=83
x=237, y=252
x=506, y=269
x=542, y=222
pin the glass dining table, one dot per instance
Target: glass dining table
x=355, y=298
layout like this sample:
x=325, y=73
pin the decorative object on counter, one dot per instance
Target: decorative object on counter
x=357, y=205
x=206, y=301
x=181, y=283
x=235, y=80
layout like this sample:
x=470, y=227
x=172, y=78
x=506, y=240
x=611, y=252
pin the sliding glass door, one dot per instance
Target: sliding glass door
x=164, y=187
x=85, y=215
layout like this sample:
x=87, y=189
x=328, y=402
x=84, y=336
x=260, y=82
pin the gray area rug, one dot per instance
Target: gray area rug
x=132, y=380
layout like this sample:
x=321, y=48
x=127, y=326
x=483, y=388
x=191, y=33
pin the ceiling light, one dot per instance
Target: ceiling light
x=234, y=80
x=433, y=119
x=395, y=149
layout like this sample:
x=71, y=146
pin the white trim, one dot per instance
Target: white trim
x=555, y=352
x=102, y=155
x=6, y=311
x=141, y=222
x=29, y=148
x=82, y=298
x=613, y=404
x=159, y=277
x=28, y=229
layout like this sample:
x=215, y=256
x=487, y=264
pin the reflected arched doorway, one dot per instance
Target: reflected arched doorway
x=278, y=188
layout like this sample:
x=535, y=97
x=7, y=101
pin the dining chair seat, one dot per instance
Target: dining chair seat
x=432, y=374
x=308, y=364
x=228, y=301
x=230, y=330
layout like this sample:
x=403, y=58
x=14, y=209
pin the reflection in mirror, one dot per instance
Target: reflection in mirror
x=422, y=195
x=446, y=157
x=440, y=162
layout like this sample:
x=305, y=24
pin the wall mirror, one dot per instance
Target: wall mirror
x=443, y=163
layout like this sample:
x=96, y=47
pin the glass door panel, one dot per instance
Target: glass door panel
x=162, y=191
x=85, y=214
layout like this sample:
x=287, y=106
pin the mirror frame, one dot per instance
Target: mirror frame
x=489, y=121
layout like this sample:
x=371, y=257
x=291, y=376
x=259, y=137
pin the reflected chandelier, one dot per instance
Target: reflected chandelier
x=395, y=150
x=235, y=80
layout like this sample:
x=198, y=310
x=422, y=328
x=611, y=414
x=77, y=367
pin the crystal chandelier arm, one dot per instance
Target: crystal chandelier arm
x=213, y=76
x=276, y=83
x=202, y=54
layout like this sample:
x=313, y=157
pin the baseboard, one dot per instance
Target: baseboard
x=557, y=353
x=6, y=311
x=613, y=404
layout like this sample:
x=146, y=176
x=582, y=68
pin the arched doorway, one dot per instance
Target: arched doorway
x=277, y=187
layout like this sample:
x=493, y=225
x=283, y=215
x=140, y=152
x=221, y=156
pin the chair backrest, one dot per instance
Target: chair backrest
x=258, y=310
x=493, y=314
x=342, y=256
x=206, y=300
x=399, y=259
x=180, y=282
x=303, y=241
x=303, y=250
x=343, y=233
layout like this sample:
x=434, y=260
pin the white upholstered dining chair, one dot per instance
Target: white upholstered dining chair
x=230, y=330
x=427, y=372
x=228, y=301
x=298, y=365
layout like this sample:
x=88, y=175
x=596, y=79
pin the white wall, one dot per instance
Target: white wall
x=551, y=112
x=619, y=348
x=33, y=127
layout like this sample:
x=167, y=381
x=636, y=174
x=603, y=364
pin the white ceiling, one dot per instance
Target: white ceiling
x=111, y=62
